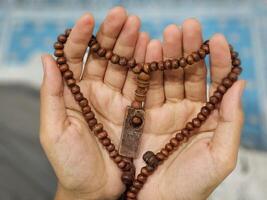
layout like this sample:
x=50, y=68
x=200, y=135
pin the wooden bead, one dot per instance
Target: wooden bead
x=205, y=111
x=113, y=154
x=127, y=178
x=153, y=66
x=110, y=147
x=160, y=156
x=109, y=55
x=62, y=38
x=137, y=184
x=221, y=88
x=137, y=69
x=83, y=103
x=67, y=32
x=179, y=137
x=58, y=45
x=70, y=82
x=205, y=47
x=196, y=56
x=88, y=116
x=134, y=189
x=161, y=65
x=131, y=63
x=118, y=159
x=146, y=68
x=147, y=155
x=141, y=178
x=78, y=96
x=106, y=141
x=214, y=100
x=144, y=76
x=190, y=60
x=201, y=117
x=210, y=106
x=175, y=64
x=234, y=55
x=68, y=74
x=59, y=53
x=145, y=171
x=196, y=122
x=101, y=52
x=123, y=61
x=92, y=123
x=201, y=53
x=98, y=128
x=92, y=42
x=218, y=95
x=189, y=126
x=167, y=64
x=185, y=132
x=236, y=62
x=63, y=68
x=95, y=47
x=136, y=104
x=174, y=142
x=164, y=152
x=61, y=60
x=86, y=109
x=237, y=70
x=227, y=82
x=131, y=195
x=121, y=164
x=232, y=76
x=168, y=147
x=182, y=62
x=75, y=89
x=115, y=59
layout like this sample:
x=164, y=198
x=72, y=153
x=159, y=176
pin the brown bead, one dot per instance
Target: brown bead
x=62, y=38
x=61, y=60
x=141, y=178
x=122, y=164
x=127, y=178
x=113, y=154
x=221, y=88
x=146, y=68
x=189, y=126
x=154, y=66
x=218, y=95
x=137, y=69
x=161, y=65
x=236, y=62
x=75, y=89
x=134, y=189
x=86, y=109
x=237, y=70
x=101, y=52
x=63, y=68
x=185, y=132
x=196, y=122
x=210, y=106
x=201, y=117
x=232, y=76
x=164, y=152
x=59, y=53
x=118, y=159
x=123, y=61
x=106, y=141
x=174, y=142
x=196, y=56
x=137, y=184
x=168, y=147
x=110, y=147
x=190, y=60
x=131, y=63
x=109, y=55
x=205, y=111
x=92, y=123
x=78, y=96
x=68, y=74
x=144, y=76
x=167, y=64
x=92, y=42
x=67, y=32
x=206, y=48
x=175, y=64
x=95, y=47
x=182, y=62
x=115, y=59
x=58, y=45
x=98, y=128
x=147, y=155
x=145, y=171
x=136, y=104
x=137, y=121
x=83, y=103
x=131, y=195
x=201, y=53
x=102, y=135
x=179, y=137
x=214, y=100
x=234, y=54
x=160, y=156
x=227, y=82
x=71, y=82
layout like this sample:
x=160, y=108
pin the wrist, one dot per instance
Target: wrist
x=64, y=194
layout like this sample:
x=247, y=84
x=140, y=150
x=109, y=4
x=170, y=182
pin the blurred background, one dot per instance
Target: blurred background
x=29, y=28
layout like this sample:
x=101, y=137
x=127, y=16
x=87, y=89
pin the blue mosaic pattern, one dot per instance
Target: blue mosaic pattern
x=27, y=30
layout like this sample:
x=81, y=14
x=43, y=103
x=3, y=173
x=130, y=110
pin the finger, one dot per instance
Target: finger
x=77, y=43
x=107, y=36
x=139, y=55
x=155, y=94
x=53, y=111
x=226, y=140
x=172, y=48
x=115, y=74
x=220, y=58
x=195, y=75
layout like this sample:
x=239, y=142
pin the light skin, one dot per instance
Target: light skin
x=82, y=165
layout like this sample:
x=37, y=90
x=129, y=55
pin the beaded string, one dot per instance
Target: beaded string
x=143, y=71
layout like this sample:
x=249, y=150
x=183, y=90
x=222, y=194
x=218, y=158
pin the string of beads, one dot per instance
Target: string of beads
x=143, y=70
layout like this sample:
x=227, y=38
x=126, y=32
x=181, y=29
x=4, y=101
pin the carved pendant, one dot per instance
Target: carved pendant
x=131, y=132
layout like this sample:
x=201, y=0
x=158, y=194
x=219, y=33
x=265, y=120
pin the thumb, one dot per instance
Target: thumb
x=226, y=140
x=53, y=113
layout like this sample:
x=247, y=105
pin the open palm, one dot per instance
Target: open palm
x=83, y=166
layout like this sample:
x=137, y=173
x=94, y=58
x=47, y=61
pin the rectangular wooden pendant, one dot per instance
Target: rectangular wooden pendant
x=130, y=137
